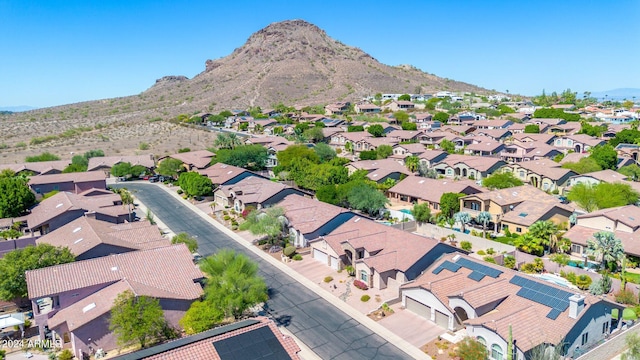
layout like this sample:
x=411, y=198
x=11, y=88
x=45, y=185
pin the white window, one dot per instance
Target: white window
x=449, y=172
x=496, y=352
x=482, y=341
x=521, y=173
x=576, y=249
x=364, y=276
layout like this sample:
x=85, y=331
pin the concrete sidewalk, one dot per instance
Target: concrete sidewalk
x=380, y=330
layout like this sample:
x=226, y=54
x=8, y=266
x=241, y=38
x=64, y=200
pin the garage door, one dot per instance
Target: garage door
x=418, y=308
x=320, y=256
x=334, y=263
x=442, y=319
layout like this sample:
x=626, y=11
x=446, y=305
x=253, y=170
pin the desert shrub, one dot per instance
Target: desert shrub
x=489, y=259
x=328, y=279
x=179, y=191
x=350, y=270
x=490, y=251
x=571, y=277
x=466, y=245
x=143, y=146
x=626, y=297
x=601, y=286
x=297, y=257
x=226, y=217
x=365, y=298
x=482, y=252
x=583, y=281
x=289, y=251
x=360, y=285
x=509, y=261
x=66, y=354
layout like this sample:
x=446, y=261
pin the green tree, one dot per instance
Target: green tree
x=227, y=141
x=368, y=155
x=632, y=342
x=547, y=113
x=252, y=157
x=121, y=169
x=631, y=171
x=13, y=265
x=602, y=196
x=365, y=198
x=626, y=136
x=384, y=151
x=546, y=231
x=605, y=246
x=606, y=156
x=401, y=116
x=169, y=167
x=184, y=238
x=15, y=196
x=532, y=129
x=355, y=128
x=484, y=218
x=200, y=317
x=591, y=130
x=471, y=349
x=421, y=212
x=293, y=152
x=376, y=130
x=448, y=146
x=45, y=156
x=463, y=218
x=325, y=152
x=443, y=117
x=127, y=199
x=501, y=180
x=583, y=166
x=529, y=244
x=194, y=184
x=450, y=203
x=627, y=104
x=412, y=163
x=409, y=126
x=137, y=320
x=269, y=222
x=404, y=97
x=73, y=168
x=314, y=134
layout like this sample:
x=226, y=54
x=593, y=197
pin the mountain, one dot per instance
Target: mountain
x=297, y=63
x=17, y=108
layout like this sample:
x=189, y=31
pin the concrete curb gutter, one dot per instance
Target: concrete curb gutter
x=380, y=330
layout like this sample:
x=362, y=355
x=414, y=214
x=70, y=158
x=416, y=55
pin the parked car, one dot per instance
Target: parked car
x=196, y=257
x=145, y=177
x=153, y=178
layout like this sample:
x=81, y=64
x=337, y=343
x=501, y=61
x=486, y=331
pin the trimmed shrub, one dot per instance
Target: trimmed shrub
x=360, y=285
x=482, y=252
x=489, y=259
x=226, y=217
x=583, y=281
x=626, y=297
x=179, y=191
x=490, y=251
x=571, y=277
x=509, y=261
x=297, y=257
x=328, y=279
x=466, y=245
x=289, y=251
x=365, y=298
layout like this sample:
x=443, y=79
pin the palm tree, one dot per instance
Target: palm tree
x=484, y=218
x=221, y=141
x=547, y=231
x=412, y=163
x=606, y=247
x=463, y=218
x=234, y=140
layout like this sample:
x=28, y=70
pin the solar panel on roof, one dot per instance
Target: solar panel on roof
x=446, y=265
x=471, y=265
x=553, y=314
x=476, y=275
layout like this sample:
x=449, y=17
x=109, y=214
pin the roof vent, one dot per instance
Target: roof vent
x=229, y=172
x=77, y=241
x=77, y=229
x=515, y=193
x=224, y=166
x=455, y=258
x=421, y=182
x=523, y=214
x=356, y=220
x=88, y=307
x=115, y=268
x=59, y=205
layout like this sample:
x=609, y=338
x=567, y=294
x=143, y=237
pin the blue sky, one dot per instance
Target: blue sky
x=59, y=52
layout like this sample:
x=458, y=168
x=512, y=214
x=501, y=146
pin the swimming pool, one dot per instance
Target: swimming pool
x=580, y=264
x=556, y=280
x=406, y=211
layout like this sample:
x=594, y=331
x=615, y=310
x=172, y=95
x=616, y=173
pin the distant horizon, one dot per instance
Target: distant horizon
x=66, y=52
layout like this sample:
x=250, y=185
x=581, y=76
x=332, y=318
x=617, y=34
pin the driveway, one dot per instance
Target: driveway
x=324, y=328
x=421, y=331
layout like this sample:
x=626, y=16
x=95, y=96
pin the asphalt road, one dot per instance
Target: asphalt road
x=329, y=332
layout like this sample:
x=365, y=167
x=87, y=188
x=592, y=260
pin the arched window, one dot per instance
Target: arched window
x=482, y=341
x=496, y=352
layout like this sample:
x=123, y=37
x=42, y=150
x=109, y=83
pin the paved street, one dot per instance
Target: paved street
x=329, y=332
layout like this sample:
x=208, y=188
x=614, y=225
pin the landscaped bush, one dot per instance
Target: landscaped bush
x=626, y=297
x=490, y=251
x=289, y=251
x=360, y=285
x=583, y=281
x=365, y=298
x=466, y=245
x=482, y=252
x=350, y=270
x=226, y=217
x=328, y=279
x=297, y=257
x=489, y=259
x=179, y=191
x=571, y=277
x=509, y=261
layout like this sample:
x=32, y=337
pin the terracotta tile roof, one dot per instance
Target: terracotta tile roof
x=220, y=173
x=204, y=347
x=268, y=140
x=329, y=131
x=379, y=169
x=488, y=145
x=548, y=121
x=628, y=215
x=530, y=211
x=431, y=154
x=64, y=201
x=38, y=167
x=528, y=319
x=109, y=161
x=480, y=163
x=432, y=189
x=393, y=249
x=492, y=123
x=493, y=133
x=83, y=234
x=355, y=136
x=547, y=168
x=517, y=194
x=253, y=189
x=308, y=215
x=607, y=175
x=579, y=234
x=403, y=135
x=573, y=157
x=458, y=129
x=147, y=269
x=585, y=139
x=377, y=141
x=545, y=138
x=412, y=148
x=78, y=177
x=539, y=149
x=199, y=159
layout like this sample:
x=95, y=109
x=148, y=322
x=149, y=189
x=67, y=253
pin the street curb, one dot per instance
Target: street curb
x=380, y=330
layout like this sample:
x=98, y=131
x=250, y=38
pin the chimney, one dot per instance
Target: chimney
x=576, y=304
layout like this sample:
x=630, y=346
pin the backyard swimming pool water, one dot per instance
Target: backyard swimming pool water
x=406, y=211
x=580, y=264
x=555, y=279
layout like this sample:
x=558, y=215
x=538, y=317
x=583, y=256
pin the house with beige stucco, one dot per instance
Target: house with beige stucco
x=546, y=174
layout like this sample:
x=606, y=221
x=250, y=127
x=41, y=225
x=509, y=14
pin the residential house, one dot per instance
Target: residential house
x=193, y=160
x=544, y=174
x=74, y=300
x=578, y=142
x=371, y=143
x=496, y=305
x=258, y=125
x=484, y=148
x=595, y=178
x=366, y=108
x=628, y=151
x=546, y=122
x=537, y=205
x=252, y=191
x=573, y=157
x=432, y=157
x=434, y=138
x=381, y=255
x=223, y=174
x=64, y=207
x=397, y=105
x=339, y=140
x=492, y=124
x=70, y=182
x=338, y=108
x=494, y=134
x=105, y=163
x=564, y=129
x=623, y=222
x=472, y=167
x=459, y=130
x=249, y=339
x=523, y=139
x=422, y=118
x=406, y=135
x=528, y=151
x=418, y=190
x=380, y=170
x=38, y=168
x=88, y=238
x=404, y=150
x=308, y=219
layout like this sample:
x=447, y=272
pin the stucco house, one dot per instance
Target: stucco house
x=88, y=238
x=105, y=163
x=528, y=151
x=381, y=255
x=223, y=174
x=471, y=167
x=308, y=219
x=596, y=177
x=193, y=160
x=380, y=170
x=544, y=174
x=38, y=168
x=69, y=182
x=252, y=191
x=417, y=190
x=493, y=303
x=578, y=142
x=74, y=300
